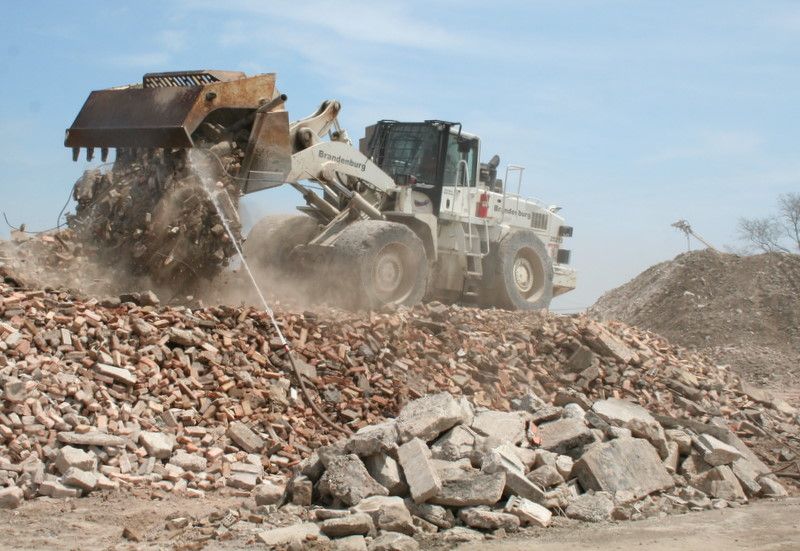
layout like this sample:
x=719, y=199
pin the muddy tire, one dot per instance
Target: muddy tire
x=273, y=238
x=381, y=263
x=519, y=273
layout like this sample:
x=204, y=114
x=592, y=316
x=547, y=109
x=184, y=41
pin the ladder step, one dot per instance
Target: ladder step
x=475, y=274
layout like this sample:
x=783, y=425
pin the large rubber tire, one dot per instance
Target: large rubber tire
x=519, y=273
x=381, y=263
x=271, y=240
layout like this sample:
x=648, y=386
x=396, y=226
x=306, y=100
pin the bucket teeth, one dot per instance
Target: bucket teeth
x=89, y=153
x=103, y=154
x=76, y=151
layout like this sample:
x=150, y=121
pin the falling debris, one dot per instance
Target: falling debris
x=151, y=214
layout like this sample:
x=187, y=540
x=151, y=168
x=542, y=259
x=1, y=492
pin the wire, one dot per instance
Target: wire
x=60, y=213
x=275, y=325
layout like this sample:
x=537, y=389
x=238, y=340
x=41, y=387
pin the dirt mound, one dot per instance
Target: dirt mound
x=741, y=310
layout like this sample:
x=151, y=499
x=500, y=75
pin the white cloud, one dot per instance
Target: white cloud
x=353, y=20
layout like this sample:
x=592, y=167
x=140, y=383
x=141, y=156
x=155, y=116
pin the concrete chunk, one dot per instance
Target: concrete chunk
x=157, y=444
x=189, y=461
x=693, y=466
x=721, y=483
x=474, y=489
x=387, y=513
x=55, y=489
x=386, y=471
x=527, y=457
x=350, y=525
x=681, y=438
x=347, y=479
x=10, y=498
x=99, y=439
x=608, y=345
x=459, y=534
x=373, y=439
x=772, y=488
x=393, y=541
x=295, y=534
x=435, y=514
x=267, y=493
x=623, y=464
x=545, y=414
x=428, y=417
x=350, y=543
x=671, y=461
x=528, y=512
x=502, y=425
x=564, y=464
x=302, y=490
x=516, y=482
x=119, y=374
x=242, y=481
x=746, y=477
x=457, y=443
x=486, y=519
x=546, y=476
x=619, y=412
x=591, y=507
x=565, y=434
x=716, y=452
x=245, y=438
x=450, y=470
x=77, y=478
x=421, y=476
x=73, y=457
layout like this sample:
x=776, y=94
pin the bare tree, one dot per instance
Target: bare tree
x=764, y=234
x=778, y=233
x=789, y=212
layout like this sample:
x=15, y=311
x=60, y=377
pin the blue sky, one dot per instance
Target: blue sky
x=629, y=114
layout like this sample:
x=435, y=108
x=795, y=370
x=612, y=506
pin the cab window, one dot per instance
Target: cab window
x=460, y=149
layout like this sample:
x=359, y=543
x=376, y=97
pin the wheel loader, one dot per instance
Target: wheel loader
x=411, y=214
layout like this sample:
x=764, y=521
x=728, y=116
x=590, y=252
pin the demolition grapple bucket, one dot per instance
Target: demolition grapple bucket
x=167, y=110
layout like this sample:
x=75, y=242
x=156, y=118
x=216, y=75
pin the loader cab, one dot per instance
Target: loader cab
x=426, y=155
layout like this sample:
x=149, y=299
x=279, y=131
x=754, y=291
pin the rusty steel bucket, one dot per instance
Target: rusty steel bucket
x=167, y=108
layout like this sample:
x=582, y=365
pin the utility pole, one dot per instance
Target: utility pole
x=684, y=226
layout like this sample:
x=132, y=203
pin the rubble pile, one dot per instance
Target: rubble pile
x=444, y=465
x=152, y=213
x=125, y=392
x=60, y=259
x=740, y=310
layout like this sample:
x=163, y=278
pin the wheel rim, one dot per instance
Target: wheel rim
x=392, y=273
x=528, y=274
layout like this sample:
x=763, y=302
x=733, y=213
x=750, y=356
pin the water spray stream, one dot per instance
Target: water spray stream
x=213, y=191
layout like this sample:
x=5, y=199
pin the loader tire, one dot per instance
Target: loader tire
x=381, y=263
x=272, y=239
x=520, y=273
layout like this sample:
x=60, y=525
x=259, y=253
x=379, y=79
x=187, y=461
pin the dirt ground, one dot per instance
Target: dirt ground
x=97, y=523
x=773, y=525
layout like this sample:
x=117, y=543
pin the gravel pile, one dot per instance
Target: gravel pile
x=740, y=310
